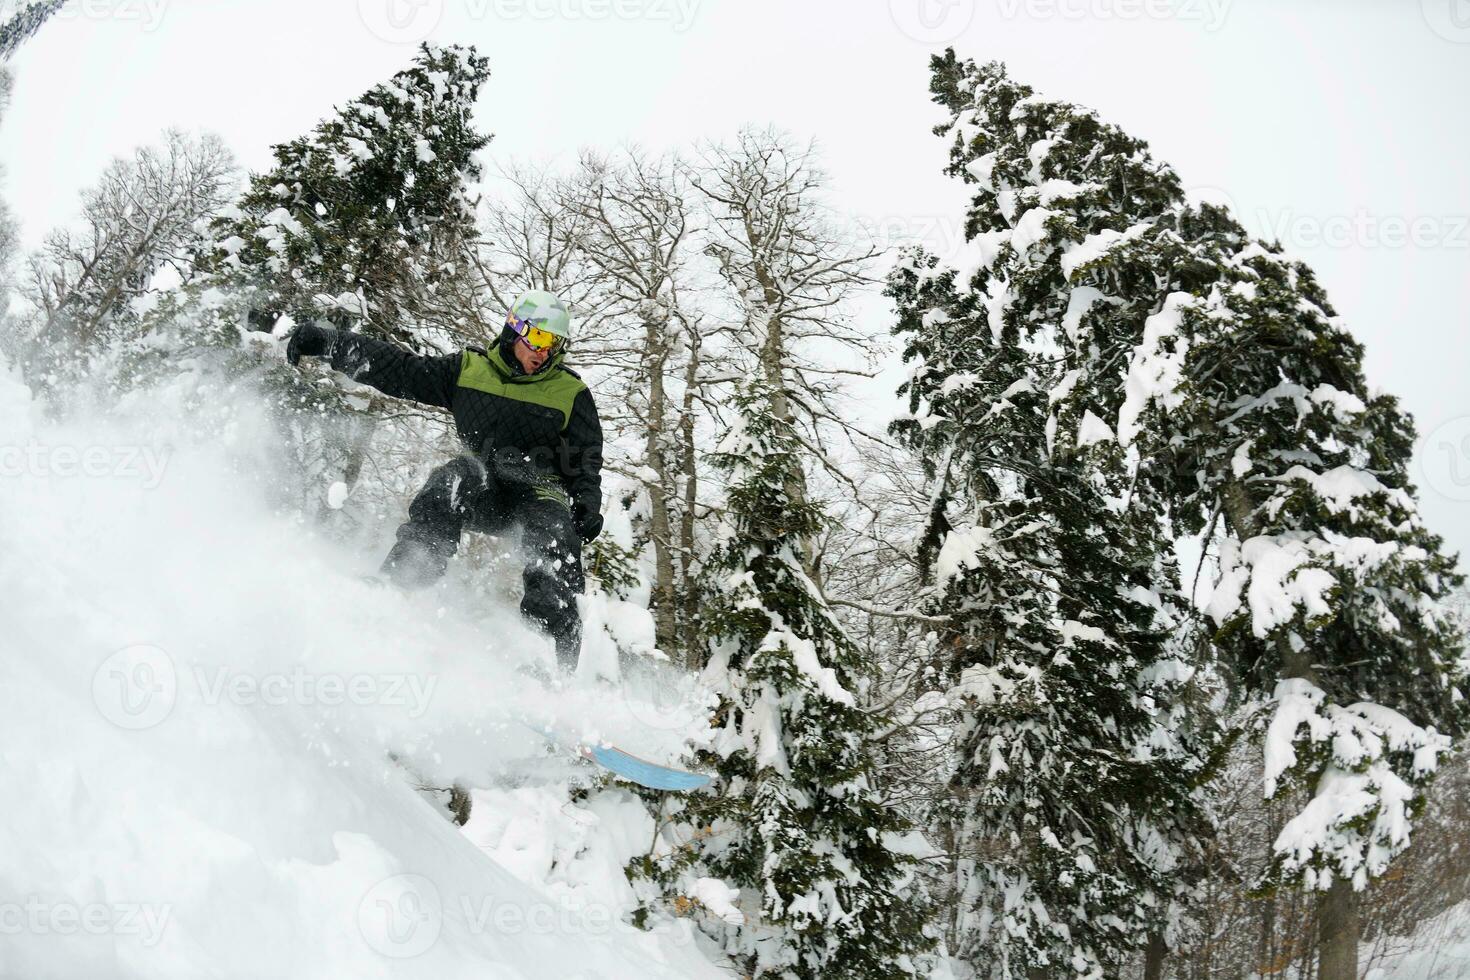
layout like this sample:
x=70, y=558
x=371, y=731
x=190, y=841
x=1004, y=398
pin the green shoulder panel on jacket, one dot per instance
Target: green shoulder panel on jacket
x=554, y=388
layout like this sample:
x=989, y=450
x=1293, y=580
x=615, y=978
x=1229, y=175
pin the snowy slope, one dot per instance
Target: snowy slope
x=197, y=704
x=1439, y=949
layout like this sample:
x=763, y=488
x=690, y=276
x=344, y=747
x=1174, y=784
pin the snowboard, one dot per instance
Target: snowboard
x=628, y=766
x=643, y=772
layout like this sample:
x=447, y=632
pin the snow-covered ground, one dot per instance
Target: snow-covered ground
x=198, y=702
x=1439, y=949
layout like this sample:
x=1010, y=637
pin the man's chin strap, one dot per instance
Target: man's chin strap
x=508, y=340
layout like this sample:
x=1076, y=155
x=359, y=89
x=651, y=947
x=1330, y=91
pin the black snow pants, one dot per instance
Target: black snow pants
x=464, y=494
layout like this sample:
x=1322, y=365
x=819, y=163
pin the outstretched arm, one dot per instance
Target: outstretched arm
x=582, y=465
x=380, y=363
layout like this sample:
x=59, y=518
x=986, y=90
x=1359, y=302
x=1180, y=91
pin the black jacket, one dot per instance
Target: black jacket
x=534, y=428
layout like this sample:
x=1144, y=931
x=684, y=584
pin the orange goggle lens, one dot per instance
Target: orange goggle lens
x=534, y=336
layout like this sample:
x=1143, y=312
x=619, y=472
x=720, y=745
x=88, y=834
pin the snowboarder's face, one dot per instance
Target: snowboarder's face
x=533, y=344
x=531, y=358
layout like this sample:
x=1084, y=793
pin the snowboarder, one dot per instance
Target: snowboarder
x=534, y=454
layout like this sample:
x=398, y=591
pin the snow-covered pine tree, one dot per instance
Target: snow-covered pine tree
x=1076, y=789
x=370, y=217
x=1240, y=404
x=796, y=821
x=23, y=22
x=1074, y=801
x=373, y=212
x=1331, y=599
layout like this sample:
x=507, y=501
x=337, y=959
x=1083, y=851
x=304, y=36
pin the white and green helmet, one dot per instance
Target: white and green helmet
x=544, y=310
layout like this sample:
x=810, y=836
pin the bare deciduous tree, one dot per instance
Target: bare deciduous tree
x=531, y=239
x=789, y=275
x=8, y=241
x=145, y=217
x=637, y=231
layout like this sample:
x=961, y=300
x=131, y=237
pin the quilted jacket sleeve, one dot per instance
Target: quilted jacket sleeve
x=395, y=371
x=582, y=466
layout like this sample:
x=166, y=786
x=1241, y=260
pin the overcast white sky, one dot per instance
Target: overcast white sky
x=1338, y=127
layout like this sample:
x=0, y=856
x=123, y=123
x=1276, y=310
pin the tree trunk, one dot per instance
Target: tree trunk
x=1266, y=953
x=1266, y=947
x=773, y=362
x=1153, y=957
x=1337, y=910
x=363, y=425
x=655, y=355
x=1337, y=919
x=688, y=463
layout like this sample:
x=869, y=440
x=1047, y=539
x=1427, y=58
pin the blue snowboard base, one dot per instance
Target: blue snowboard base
x=628, y=766
x=643, y=772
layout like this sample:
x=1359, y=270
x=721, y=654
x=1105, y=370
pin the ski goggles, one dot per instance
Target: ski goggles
x=533, y=336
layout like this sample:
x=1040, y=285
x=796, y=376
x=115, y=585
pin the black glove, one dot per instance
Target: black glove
x=314, y=339
x=589, y=523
